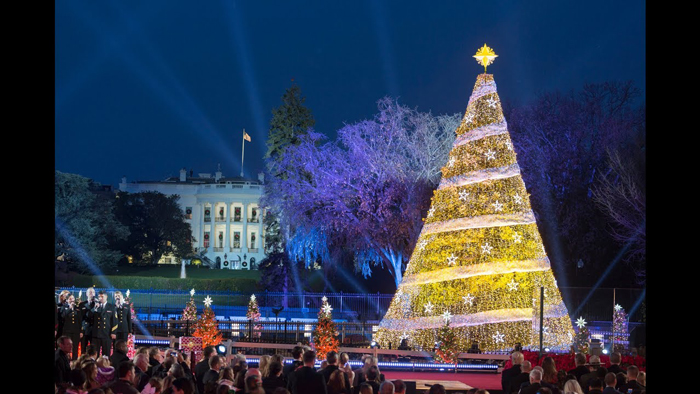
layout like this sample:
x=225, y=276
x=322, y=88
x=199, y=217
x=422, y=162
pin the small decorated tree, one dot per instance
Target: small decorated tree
x=324, y=337
x=207, y=327
x=620, y=334
x=253, y=315
x=447, y=350
x=189, y=314
x=582, y=340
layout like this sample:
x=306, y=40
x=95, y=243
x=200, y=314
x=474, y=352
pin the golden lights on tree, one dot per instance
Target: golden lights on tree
x=479, y=257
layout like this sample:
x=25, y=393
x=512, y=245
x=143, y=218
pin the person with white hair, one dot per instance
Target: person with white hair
x=507, y=375
x=535, y=382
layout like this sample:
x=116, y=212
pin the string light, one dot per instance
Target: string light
x=484, y=263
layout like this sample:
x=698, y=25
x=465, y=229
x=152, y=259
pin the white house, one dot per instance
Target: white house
x=223, y=212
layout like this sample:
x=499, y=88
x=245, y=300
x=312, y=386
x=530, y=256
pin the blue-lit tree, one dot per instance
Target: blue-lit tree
x=365, y=193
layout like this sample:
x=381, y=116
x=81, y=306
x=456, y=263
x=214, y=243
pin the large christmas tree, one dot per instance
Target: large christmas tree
x=479, y=256
x=324, y=337
x=207, y=326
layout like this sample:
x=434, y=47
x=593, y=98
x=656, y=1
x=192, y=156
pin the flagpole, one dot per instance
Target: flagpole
x=242, y=151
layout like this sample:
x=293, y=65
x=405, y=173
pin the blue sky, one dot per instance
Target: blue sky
x=143, y=89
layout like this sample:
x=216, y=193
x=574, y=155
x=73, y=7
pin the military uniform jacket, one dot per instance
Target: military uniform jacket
x=124, y=318
x=85, y=307
x=72, y=319
x=104, y=321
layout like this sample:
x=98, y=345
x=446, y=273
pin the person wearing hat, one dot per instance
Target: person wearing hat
x=593, y=365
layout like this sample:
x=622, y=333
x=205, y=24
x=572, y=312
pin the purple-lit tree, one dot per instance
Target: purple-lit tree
x=364, y=193
x=562, y=142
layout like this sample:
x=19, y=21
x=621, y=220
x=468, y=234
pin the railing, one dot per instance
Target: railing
x=253, y=220
x=220, y=219
x=252, y=250
x=218, y=249
x=352, y=306
x=167, y=304
x=236, y=249
x=283, y=331
x=207, y=219
x=236, y=218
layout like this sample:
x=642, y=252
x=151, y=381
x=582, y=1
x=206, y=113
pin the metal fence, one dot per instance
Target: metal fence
x=163, y=304
x=357, y=334
x=591, y=304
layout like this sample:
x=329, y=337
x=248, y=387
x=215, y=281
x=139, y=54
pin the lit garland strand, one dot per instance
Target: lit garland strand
x=479, y=258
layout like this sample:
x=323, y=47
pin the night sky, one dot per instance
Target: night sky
x=143, y=89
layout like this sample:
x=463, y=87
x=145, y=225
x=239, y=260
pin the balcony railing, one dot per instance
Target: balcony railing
x=253, y=220
x=252, y=250
x=220, y=219
x=207, y=219
x=236, y=249
x=218, y=249
x=236, y=218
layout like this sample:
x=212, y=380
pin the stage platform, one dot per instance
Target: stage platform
x=453, y=382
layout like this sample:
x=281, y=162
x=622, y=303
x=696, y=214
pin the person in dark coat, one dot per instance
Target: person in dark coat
x=610, y=383
x=104, y=323
x=518, y=380
x=61, y=363
x=581, y=368
x=535, y=382
x=332, y=359
x=632, y=373
x=72, y=323
x=297, y=352
x=305, y=379
x=141, y=368
x=123, y=311
x=86, y=306
x=62, y=297
x=125, y=383
x=202, y=367
x=215, y=364
x=615, y=359
x=274, y=378
x=119, y=356
x=595, y=386
x=509, y=374
x=154, y=360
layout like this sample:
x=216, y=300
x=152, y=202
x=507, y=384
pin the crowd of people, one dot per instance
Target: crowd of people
x=587, y=378
x=156, y=371
x=102, y=329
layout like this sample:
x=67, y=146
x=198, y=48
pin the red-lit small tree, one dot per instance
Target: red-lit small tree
x=324, y=338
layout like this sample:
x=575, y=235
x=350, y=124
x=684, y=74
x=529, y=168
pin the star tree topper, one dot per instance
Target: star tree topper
x=485, y=56
x=327, y=309
x=617, y=307
x=207, y=301
x=192, y=292
x=447, y=316
x=581, y=322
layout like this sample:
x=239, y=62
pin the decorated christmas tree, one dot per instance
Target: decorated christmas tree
x=447, y=348
x=479, y=255
x=620, y=334
x=253, y=314
x=583, y=337
x=189, y=314
x=207, y=327
x=324, y=337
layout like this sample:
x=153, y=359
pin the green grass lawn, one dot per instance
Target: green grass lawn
x=173, y=271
